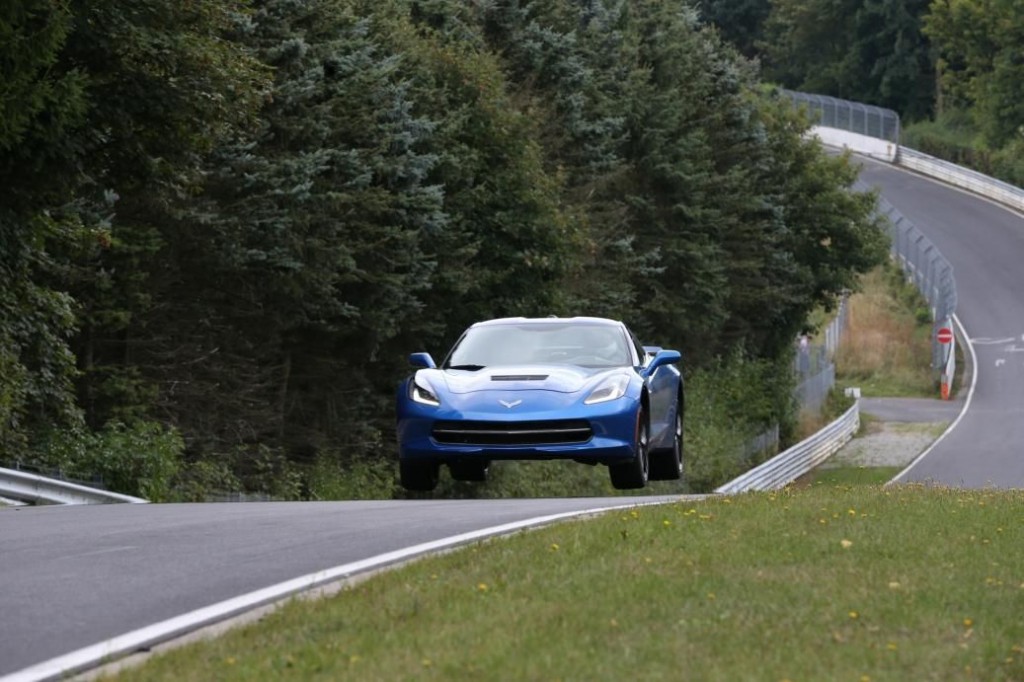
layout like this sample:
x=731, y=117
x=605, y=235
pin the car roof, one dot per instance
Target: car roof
x=588, y=321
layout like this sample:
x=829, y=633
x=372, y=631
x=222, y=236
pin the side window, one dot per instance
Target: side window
x=638, y=348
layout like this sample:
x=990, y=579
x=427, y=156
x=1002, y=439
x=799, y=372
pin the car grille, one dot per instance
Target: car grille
x=512, y=433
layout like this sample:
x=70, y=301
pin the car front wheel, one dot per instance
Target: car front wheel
x=633, y=474
x=667, y=463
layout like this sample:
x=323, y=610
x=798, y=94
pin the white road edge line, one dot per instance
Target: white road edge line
x=121, y=645
x=967, y=404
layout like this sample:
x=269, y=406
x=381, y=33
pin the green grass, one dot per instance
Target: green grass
x=851, y=475
x=822, y=583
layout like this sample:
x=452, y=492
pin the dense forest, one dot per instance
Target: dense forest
x=225, y=224
x=953, y=69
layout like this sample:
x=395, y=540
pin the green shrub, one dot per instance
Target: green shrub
x=954, y=137
x=140, y=458
x=198, y=481
x=360, y=479
x=727, y=405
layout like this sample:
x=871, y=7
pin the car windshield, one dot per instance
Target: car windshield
x=586, y=345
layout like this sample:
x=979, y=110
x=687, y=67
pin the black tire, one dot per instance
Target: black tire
x=469, y=471
x=634, y=473
x=667, y=463
x=418, y=475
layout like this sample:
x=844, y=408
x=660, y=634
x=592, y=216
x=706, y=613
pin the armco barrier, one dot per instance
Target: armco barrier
x=965, y=178
x=790, y=465
x=36, y=489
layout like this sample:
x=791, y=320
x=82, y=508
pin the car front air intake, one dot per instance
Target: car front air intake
x=556, y=432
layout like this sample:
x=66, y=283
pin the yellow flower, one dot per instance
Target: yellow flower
x=230, y=660
x=666, y=523
x=968, y=622
x=846, y=543
x=854, y=615
x=894, y=585
x=554, y=546
x=482, y=587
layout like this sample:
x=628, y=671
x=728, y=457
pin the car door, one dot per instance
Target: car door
x=661, y=387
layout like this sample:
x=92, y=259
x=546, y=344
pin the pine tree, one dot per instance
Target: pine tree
x=41, y=107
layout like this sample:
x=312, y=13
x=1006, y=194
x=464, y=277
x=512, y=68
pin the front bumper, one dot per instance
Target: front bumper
x=612, y=434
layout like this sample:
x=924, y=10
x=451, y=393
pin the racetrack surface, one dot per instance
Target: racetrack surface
x=984, y=243
x=77, y=575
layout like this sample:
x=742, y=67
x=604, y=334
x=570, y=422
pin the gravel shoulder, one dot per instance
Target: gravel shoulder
x=895, y=431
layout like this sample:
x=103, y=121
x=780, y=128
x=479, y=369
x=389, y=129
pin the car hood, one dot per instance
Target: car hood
x=557, y=378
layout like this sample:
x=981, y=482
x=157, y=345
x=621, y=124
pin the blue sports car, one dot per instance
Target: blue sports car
x=580, y=388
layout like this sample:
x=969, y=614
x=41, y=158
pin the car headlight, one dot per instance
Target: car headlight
x=611, y=388
x=420, y=392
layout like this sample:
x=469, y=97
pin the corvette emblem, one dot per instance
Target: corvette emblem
x=510, y=405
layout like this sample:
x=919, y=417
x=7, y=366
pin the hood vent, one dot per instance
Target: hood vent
x=518, y=377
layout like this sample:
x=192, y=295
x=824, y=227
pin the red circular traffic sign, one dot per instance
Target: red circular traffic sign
x=944, y=335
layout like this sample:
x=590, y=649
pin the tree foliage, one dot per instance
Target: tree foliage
x=741, y=22
x=979, y=45
x=871, y=51
x=241, y=218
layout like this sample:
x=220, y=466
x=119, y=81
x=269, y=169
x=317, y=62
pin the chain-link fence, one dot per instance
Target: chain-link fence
x=864, y=119
x=815, y=364
x=925, y=266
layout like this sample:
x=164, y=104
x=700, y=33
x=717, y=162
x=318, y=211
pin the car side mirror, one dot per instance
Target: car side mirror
x=422, y=360
x=663, y=357
x=649, y=353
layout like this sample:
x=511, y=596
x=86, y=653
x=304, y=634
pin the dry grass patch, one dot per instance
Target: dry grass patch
x=886, y=348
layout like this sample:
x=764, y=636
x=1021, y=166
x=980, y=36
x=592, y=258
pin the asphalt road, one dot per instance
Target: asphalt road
x=985, y=245
x=75, y=576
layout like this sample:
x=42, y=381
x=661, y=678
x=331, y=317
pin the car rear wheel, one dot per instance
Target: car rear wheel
x=418, y=475
x=469, y=471
x=667, y=463
x=633, y=474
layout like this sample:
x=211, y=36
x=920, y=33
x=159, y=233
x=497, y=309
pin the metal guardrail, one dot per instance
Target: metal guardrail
x=798, y=460
x=965, y=178
x=36, y=489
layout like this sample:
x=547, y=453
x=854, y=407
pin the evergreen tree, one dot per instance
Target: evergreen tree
x=41, y=109
x=740, y=22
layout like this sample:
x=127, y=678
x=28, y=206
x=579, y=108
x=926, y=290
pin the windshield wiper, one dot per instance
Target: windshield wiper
x=471, y=368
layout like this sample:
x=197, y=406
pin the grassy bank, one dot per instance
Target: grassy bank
x=837, y=583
